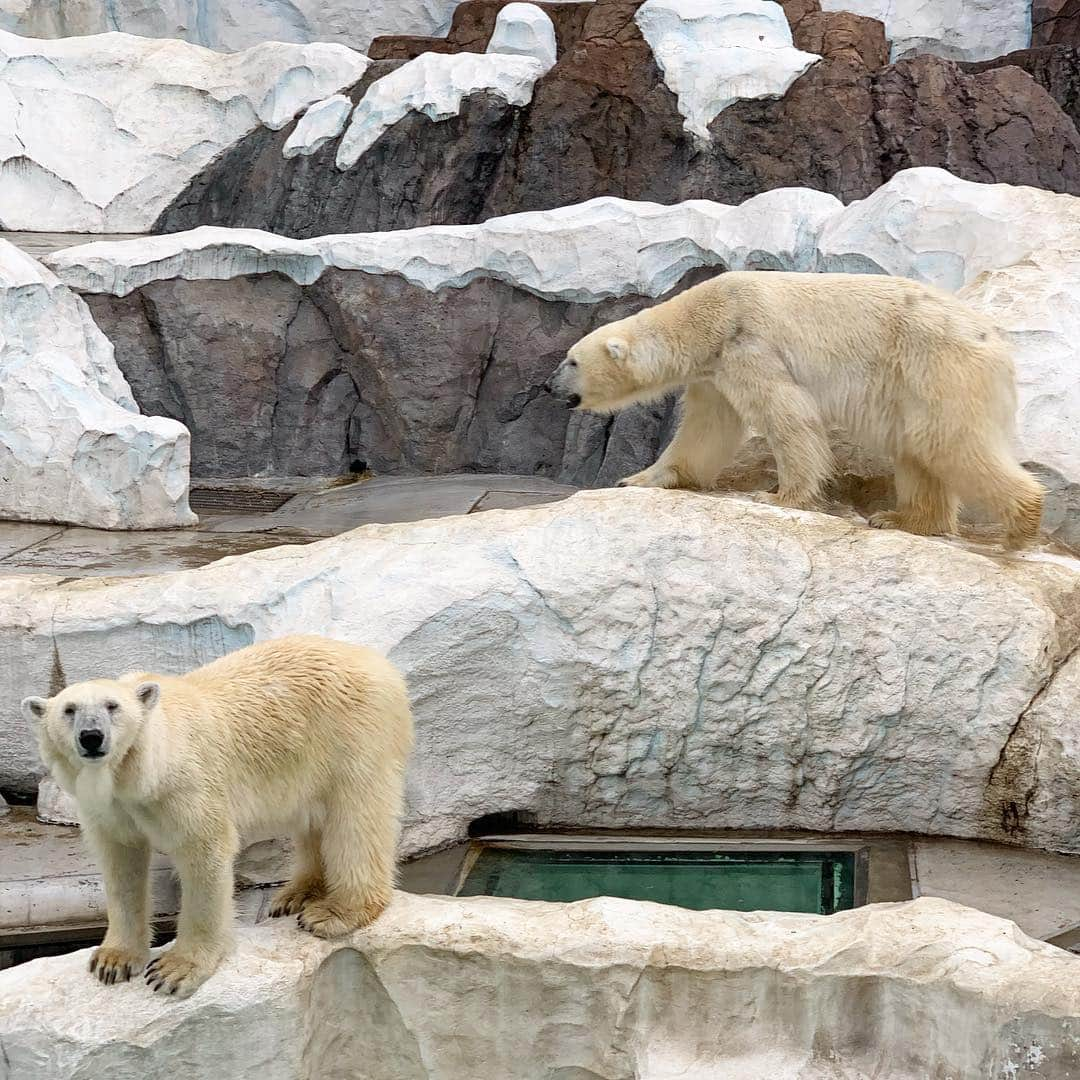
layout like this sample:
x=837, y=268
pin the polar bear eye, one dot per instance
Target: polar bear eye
x=571, y=363
x=111, y=706
x=69, y=711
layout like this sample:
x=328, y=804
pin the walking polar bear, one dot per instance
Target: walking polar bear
x=909, y=371
x=302, y=733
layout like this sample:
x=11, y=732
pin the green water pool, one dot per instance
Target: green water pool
x=815, y=882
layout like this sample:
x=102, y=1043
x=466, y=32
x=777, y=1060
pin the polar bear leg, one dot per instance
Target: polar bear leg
x=307, y=882
x=709, y=434
x=924, y=505
x=204, y=927
x=126, y=870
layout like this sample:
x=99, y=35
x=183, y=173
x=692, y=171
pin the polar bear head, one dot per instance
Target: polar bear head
x=615, y=366
x=92, y=722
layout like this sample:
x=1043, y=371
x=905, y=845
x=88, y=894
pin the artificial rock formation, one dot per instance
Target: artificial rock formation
x=294, y=356
x=605, y=987
x=643, y=659
x=605, y=121
x=100, y=134
x=228, y=25
x=73, y=445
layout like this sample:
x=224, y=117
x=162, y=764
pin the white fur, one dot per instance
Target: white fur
x=302, y=732
x=909, y=371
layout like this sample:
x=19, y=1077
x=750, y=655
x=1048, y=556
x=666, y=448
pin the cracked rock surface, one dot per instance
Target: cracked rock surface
x=642, y=658
x=441, y=989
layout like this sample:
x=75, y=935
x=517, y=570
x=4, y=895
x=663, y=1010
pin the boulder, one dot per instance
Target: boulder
x=439, y=989
x=641, y=658
x=126, y=165
x=54, y=805
x=73, y=444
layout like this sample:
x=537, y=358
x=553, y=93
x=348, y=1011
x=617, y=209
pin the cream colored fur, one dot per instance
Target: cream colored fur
x=909, y=371
x=301, y=733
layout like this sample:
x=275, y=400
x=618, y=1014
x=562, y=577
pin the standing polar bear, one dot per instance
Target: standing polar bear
x=302, y=733
x=909, y=371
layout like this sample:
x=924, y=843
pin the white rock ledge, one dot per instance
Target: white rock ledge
x=716, y=52
x=444, y=989
x=73, y=445
x=85, y=145
x=323, y=121
x=638, y=658
x=436, y=85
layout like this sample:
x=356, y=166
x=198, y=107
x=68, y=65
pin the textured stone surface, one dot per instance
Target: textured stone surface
x=603, y=121
x=230, y=24
x=714, y=55
x=83, y=145
x=1055, y=22
x=323, y=121
x=500, y=988
x=421, y=351
x=73, y=445
x=642, y=659
x=958, y=29
x=54, y=805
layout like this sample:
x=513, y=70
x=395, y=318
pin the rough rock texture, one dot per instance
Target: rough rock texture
x=323, y=121
x=54, y=805
x=641, y=659
x=83, y=145
x=417, y=352
x=441, y=989
x=604, y=122
x=714, y=55
x=228, y=25
x=73, y=445
x=958, y=29
x=492, y=308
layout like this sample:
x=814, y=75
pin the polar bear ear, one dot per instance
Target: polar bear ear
x=618, y=348
x=33, y=708
x=148, y=694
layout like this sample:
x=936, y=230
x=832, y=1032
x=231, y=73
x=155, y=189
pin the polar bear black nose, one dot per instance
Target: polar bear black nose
x=91, y=739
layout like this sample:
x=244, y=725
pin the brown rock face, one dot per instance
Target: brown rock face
x=603, y=122
x=1056, y=68
x=1055, y=22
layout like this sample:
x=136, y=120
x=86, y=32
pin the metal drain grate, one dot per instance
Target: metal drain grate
x=236, y=500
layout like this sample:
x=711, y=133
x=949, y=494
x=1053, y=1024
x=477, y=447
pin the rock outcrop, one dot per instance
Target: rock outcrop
x=73, y=445
x=600, y=988
x=643, y=659
x=604, y=121
x=85, y=145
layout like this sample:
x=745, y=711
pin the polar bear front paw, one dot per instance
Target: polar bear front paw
x=651, y=478
x=177, y=974
x=112, y=965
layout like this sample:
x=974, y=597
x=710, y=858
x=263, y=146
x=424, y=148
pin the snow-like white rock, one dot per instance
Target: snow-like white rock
x=54, y=805
x=957, y=29
x=73, y=445
x=99, y=134
x=443, y=989
x=602, y=248
x=229, y=25
x=524, y=30
x=323, y=121
x=716, y=52
x=435, y=85
x=637, y=658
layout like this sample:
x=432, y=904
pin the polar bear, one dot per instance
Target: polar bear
x=908, y=370
x=302, y=733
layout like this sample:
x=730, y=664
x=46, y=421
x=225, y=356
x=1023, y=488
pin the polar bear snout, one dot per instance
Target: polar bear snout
x=564, y=383
x=92, y=743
